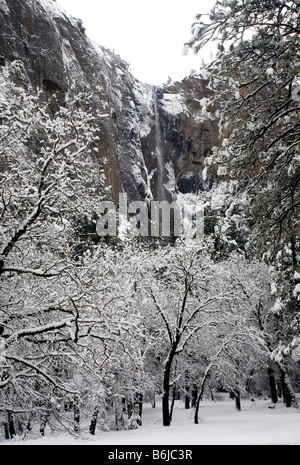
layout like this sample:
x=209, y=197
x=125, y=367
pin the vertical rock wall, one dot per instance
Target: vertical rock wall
x=148, y=137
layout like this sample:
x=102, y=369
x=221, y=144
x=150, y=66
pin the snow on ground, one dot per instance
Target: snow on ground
x=220, y=424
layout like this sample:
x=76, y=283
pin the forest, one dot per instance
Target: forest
x=93, y=327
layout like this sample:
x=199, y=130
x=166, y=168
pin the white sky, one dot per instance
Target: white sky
x=149, y=35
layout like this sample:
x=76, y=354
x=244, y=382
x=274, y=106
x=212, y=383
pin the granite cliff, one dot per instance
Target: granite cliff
x=153, y=142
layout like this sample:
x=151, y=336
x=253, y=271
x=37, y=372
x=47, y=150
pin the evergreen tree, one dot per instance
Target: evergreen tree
x=256, y=85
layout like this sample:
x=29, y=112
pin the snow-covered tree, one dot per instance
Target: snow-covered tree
x=49, y=175
x=234, y=348
x=111, y=313
x=186, y=289
x=255, y=79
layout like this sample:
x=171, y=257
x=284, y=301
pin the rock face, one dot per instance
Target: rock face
x=189, y=133
x=153, y=141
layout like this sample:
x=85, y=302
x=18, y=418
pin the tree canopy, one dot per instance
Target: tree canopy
x=256, y=83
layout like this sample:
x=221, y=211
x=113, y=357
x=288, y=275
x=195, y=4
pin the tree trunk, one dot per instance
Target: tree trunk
x=29, y=427
x=194, y=395
x=44, y=420
x=6, y=430
x=153, y=401
x=94, y=421
x=129, y=409
x=173, y=402
x=249, y=380
x=187, y=401
x=76, y=414
x=138, y=402
x=197, y=406
x=272, y=382
x=165, y=409
x=238, y=400
x=289, y=397
x=283, y=390
x=187, y=392
x=135, y=411
x=211, y=393
x=166, y=389
x=9, y=426
x=119, y=413
x=196, y=417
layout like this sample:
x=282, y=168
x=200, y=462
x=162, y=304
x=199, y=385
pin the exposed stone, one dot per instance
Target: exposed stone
x=58, y=58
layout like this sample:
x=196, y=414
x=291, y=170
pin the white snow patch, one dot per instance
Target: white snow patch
x=277, y=306
x=296, y=291
x=190, y=205
x=4, y=6
x=173, y=104
x=171, y=183
x=2, y=351
x=222, y=171
x=143, y=95
x=219, y=195
x=203, y=74
x=296, y=90
x=296, y=350
x=52, y=7
x=219, y=424
x=273, y=289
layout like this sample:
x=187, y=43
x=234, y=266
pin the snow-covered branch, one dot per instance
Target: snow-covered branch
x=39, y=330
x=41, y=372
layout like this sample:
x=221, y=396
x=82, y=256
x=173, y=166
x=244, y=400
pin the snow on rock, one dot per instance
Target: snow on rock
x=4, y=6
x=205, y=173
x=173, y=104
x=143, y=95
x=222, y=171
x=296, y=292
x=67, y=59
x=52, y=7
x=278, y=306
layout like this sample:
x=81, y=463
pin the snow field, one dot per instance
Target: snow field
x=220, y=424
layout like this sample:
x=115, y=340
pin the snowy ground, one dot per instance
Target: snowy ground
x=220, y=424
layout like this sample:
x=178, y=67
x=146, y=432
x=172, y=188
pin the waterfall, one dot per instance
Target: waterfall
x=159, y=151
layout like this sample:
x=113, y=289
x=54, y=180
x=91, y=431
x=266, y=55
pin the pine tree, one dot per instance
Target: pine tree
x=255, y=80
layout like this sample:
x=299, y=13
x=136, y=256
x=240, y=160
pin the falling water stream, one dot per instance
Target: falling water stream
x=158, y=150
